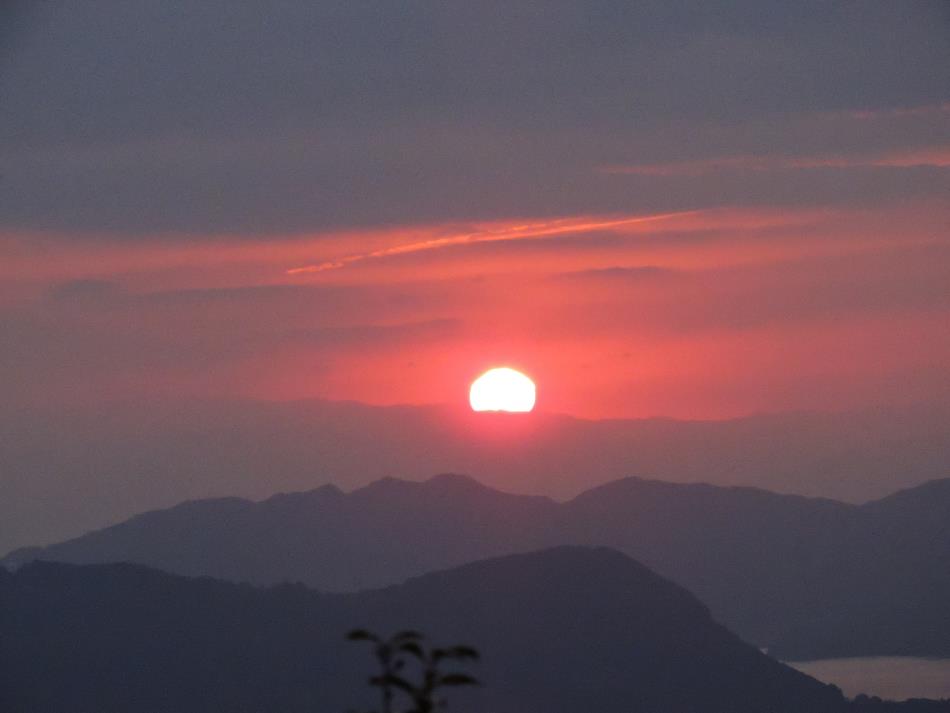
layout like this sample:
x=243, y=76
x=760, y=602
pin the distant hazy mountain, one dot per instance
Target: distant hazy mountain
x=66, y=471
x=888, y=589
x=560, y=631
x=805, y=577
x=374, y=536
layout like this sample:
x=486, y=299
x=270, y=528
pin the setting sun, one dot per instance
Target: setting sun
x=502, y=389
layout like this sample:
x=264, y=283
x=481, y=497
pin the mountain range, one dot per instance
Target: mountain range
x=119, y=459
x=803, y=577
x=562, y=630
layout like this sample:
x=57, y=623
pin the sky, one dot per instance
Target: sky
x=666, y=208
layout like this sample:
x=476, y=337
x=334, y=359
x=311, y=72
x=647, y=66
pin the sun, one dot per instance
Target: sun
x=502, y=389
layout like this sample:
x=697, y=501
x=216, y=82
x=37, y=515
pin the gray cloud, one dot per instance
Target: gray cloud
x=138, y=118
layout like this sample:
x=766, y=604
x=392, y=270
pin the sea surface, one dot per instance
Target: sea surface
x=892, y=677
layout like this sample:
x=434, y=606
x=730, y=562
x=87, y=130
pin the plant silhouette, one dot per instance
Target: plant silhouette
x=422, y=683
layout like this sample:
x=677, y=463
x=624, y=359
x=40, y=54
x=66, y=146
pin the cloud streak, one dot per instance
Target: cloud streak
x=934, y=157
x=528, y=231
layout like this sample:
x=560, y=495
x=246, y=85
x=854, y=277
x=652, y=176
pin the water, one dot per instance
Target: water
x=891, y=677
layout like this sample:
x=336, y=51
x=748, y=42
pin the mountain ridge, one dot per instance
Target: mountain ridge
x=780, y=570
x=131, y=457
x=612, y=632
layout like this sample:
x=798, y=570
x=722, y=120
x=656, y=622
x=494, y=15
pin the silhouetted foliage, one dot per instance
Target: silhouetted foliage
x=394, y=675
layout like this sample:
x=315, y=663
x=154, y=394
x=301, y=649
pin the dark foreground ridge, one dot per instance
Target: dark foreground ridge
x=564, y=630
x=803, y=577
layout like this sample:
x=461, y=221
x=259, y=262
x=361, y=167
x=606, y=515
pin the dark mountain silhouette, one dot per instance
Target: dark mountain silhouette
x=887, y=590
x=374, y=536
x=804, y=577
x=123, y=459
x=563, y=630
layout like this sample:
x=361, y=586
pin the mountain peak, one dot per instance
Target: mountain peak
x=457, y=481
x=616, y=632
x=934, y=495
x=386, y=486
x=569, y=562
x=453, y=483
x=324, y=491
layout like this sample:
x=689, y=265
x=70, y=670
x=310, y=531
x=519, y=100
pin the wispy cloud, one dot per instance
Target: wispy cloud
x=524, y=231
x=923, y=110
x=937, y=156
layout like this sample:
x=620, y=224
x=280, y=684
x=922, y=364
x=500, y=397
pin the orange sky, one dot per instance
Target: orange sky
x=707, y=313
x=741, y=207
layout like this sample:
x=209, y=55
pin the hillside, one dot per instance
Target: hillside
x=561, y=630
x=804, y=577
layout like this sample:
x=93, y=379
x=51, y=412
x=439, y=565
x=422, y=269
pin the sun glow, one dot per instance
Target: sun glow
x=502, y=389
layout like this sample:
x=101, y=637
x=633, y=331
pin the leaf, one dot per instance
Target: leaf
x=408, y=635
x=462, y=652
x=361, y=635
x=458, y=679
x=413, y=648
x=397, y=682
